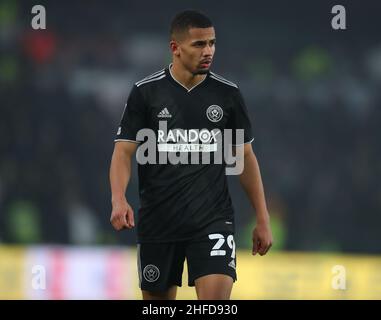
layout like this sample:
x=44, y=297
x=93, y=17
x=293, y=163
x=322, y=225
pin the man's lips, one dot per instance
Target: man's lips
x=206, y=63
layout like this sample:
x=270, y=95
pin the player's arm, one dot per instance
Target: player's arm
x=133, y=119
x=251, y=182
x=122, y=215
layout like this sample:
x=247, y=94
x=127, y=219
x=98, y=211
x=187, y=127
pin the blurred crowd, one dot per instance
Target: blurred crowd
x=314, y=105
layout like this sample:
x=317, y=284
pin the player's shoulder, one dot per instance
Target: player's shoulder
x=223, y=82
x=152, y=78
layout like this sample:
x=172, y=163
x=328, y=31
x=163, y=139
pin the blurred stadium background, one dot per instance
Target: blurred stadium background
x=313, y=95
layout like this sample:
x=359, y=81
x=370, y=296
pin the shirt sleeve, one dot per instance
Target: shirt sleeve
x=133, y=118
x=239, y=118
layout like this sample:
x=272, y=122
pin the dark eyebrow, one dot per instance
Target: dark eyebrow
x=203, y=41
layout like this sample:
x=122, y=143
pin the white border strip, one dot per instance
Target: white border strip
x=189, y=90
x=222, y=78
x=241, y=144
x=151, y=76
x=117, y=140
x=154, y=79
x=225, y=82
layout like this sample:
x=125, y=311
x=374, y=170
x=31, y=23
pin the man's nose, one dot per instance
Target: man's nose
x=208, y=51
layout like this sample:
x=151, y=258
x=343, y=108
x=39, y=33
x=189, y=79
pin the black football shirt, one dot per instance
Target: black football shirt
x=184, y=200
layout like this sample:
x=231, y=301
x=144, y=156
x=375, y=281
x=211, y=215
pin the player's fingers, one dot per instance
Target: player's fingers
x=115, y=222
x=123, y=221
x=126, y=221
x=268, y=247
x=130, y=218
x=261, y=250
x=264, y=248
x=255, y=245
x=118, y=221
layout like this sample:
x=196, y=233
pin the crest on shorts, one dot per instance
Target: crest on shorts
x=151, y=273
x=214, y=113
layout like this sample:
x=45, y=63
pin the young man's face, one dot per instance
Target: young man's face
x=196, y=49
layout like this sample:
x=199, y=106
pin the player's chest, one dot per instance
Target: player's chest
x=192, y=111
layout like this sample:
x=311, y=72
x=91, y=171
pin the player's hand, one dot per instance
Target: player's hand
x=122, y=215
x=262, y=238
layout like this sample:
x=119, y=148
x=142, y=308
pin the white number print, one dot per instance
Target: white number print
x=216, y=250
x=231, y=244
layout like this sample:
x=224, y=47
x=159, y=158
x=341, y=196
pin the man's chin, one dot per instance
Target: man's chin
x=202, y=71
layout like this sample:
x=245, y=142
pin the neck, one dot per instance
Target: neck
x=186, y=78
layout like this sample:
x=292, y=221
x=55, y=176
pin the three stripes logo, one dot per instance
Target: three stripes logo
x=164, y=114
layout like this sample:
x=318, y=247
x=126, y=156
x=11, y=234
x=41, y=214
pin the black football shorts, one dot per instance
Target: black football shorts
x=160, y=265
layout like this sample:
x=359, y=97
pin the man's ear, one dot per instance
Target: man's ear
x=174, y=47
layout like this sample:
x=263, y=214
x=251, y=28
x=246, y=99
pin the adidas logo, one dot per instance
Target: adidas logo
x=232, y=264
x=164, y=114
